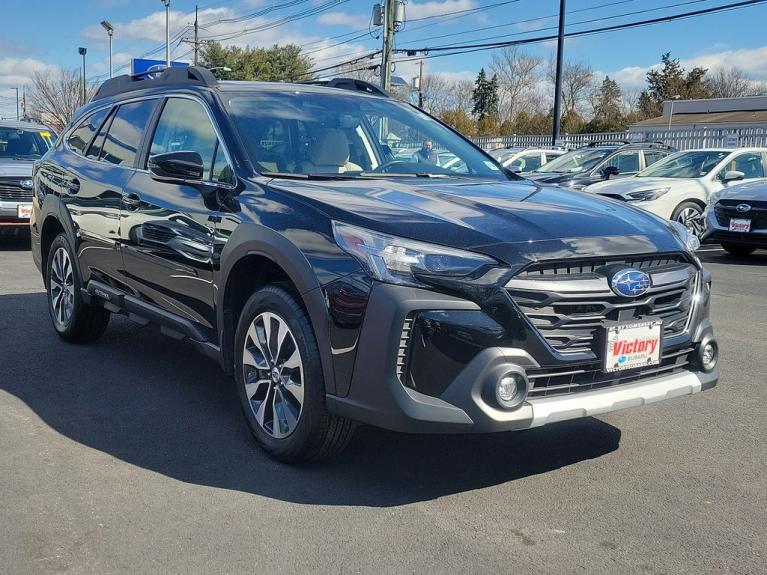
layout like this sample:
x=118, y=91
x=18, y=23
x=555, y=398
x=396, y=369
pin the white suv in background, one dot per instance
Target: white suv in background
x=523, y=160
x=678, y=187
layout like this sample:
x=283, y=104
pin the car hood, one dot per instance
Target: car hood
x=753, y=191
x=634, y=184
x=508, y=220
x=13, y=168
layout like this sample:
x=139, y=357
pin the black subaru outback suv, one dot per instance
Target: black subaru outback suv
x=271, y=226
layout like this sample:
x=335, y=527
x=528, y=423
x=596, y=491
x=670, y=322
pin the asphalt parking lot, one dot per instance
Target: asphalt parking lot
x=130, y=456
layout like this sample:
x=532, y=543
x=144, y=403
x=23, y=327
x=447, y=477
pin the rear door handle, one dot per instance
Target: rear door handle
x=131, y=201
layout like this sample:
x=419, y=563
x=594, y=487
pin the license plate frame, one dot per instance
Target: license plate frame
x=742, y=225
x=632, y=355
x=24, y=211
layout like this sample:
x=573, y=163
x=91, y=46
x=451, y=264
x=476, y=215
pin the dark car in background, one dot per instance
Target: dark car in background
x=599, y=161
x=21, y=143
x=271, y=227
x=736, y=217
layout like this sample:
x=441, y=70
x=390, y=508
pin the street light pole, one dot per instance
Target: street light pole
x=671, y=114
x=17, y=103
x=110, y=30
x=82, y=51
x=167, y=32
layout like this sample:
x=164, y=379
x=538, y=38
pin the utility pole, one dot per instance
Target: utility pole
x=167, y=32
x=23, y=101
x=558, y=84
x=420, y=86
x=388, y=45
x=17, y=103
x=196, y=37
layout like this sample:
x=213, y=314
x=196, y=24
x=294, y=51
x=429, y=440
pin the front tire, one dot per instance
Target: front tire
x=74, y=320
x=280, y=383
x=738, y=249
x=690, y=214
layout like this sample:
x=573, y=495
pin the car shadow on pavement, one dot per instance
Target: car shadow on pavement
x=14, y=242
x=155, y=403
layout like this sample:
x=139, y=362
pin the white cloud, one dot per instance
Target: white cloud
x=17, y=72
x=437, y=8
x=344, y=19
x=752, y=61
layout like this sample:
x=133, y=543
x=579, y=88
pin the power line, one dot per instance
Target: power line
x=466, y=48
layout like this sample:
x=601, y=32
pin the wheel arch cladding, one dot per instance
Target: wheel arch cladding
x=255, y=256
x=56, y=219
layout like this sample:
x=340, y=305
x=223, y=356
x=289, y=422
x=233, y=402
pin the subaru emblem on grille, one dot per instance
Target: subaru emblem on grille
x=743, y=208
x=630, y=282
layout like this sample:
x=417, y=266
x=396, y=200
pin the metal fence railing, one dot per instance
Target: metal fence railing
x=680, y=139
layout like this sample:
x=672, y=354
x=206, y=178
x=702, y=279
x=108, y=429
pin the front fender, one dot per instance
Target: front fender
x=258, y=240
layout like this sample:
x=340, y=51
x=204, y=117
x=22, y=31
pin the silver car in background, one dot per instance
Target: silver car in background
x=21, y=143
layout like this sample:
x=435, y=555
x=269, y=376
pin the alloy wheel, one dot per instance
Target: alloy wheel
x=62, y=288
x=692, y=219
x=273, y=375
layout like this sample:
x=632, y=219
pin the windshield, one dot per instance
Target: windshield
x=685, y=165
x=575, y=162
x=20, y=143
x=357, y=136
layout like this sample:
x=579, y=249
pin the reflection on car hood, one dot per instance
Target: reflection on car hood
x=753, y=191
x=12, y=168
x=555, y=178
x=507, y=220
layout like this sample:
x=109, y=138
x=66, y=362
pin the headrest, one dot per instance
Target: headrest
x=331, y=148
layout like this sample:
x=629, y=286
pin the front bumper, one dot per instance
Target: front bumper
x=717, y=234
x=9, y=214
x=378, y=397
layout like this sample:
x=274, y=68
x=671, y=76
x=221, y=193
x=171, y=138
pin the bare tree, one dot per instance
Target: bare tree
x=577, y=81
x=517, y=74
x=730, y=83
x=56, y=95
x=437, y=93
x=463, y=96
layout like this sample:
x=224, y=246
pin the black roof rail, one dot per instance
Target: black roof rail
x=175, y=76
x=606, y=142
x=350, y=84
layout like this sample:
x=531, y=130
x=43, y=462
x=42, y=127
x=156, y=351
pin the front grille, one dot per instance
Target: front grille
x=11, y=190
x=724, y=210
x=568, y=302
x=583, y=377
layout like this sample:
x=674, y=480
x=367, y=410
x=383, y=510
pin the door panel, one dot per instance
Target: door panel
x=167, y=229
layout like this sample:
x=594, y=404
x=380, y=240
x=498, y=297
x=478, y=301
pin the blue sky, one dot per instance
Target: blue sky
x=40, y=34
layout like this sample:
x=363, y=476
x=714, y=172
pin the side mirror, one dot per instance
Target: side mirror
x=176, y=167
x=610, y=171
x=515, y=169
x=732, y=176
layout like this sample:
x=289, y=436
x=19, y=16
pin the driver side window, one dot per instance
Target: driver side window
x=751, y=164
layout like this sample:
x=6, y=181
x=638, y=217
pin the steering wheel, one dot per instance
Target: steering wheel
x=385, y=168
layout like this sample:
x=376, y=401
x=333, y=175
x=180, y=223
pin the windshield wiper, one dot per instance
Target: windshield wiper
x=309, y=176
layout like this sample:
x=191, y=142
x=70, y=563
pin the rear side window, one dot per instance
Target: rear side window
x=652, y=157
x=122, y=140
x=98, y=142
x=184, y=126
x=82, y=135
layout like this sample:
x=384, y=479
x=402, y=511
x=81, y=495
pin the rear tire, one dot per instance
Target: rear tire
x=738, y=249
x=279, y=381
x=74, y=320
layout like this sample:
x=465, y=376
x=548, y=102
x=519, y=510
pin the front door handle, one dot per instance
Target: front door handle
x=131, y=201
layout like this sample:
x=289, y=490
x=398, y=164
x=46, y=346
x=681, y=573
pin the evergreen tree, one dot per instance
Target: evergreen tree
x=669, y=81
x=271, y=64
x=608, y=116
x=485, y=97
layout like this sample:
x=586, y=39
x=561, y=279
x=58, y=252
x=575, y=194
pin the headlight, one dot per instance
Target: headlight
x=646, y=195
x=690, y=241
x=26, y=184
x=397, y=260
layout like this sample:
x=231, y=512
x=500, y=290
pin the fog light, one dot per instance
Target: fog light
x=511, y=390
x=709, y=356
